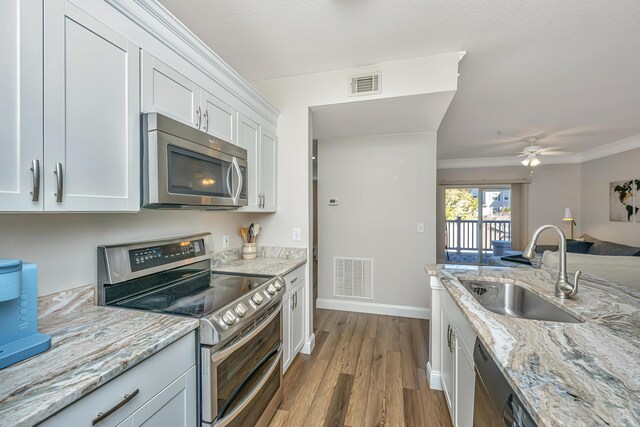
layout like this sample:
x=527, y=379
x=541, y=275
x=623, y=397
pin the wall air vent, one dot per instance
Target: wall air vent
x=353, y=277
x=365, y=84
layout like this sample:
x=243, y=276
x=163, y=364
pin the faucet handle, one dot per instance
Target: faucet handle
x=575, y=283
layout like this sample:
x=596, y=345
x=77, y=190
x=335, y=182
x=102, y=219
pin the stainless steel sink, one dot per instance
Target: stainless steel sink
x=513, y=300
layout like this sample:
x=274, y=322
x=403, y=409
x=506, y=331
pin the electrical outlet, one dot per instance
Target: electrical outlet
x=297, y=234
x=421, y=227
x=225, y=241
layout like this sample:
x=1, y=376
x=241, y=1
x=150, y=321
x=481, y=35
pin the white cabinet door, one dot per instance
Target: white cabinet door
x=249, y=139
x=465, y=387
x=175, y=406
x=21, y=105
x=168, y=92
x=91, y=114
x=297, y=320
x=447, y=361
x=218, y=118
x=287, y=314
x=268, y=169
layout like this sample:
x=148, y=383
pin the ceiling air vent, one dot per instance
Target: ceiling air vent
x=365, y=84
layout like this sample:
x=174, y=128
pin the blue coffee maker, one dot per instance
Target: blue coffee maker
x=19, y=337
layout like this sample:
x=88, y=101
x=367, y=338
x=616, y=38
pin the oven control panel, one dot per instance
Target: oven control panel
x=153, y=256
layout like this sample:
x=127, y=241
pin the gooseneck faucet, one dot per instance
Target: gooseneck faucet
x=564, y=289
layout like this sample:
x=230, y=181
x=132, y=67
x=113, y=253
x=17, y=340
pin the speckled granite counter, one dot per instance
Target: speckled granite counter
x=90, y=346
x=270, y=261
x=582, y=374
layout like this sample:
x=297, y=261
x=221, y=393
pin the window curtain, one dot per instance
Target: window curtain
x=519, y=216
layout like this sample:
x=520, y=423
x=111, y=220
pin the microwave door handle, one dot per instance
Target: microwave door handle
x=236, y=196
x=229, y=180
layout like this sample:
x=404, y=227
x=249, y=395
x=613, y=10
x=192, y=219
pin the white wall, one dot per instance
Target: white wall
x=596, y=176
x=294, y=96
x=64, y=246
x=552, y=188
x=386, y=185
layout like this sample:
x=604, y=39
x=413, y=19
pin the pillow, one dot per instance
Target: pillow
x=602, y=247
x=617, y=269
x=578, y=247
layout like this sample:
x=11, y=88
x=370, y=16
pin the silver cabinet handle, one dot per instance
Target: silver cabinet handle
x=59, y=182
x=35, y=169
x=101, y=416
x=296, y=295
x=206, y=120
x=294, y=280
x=198, y=115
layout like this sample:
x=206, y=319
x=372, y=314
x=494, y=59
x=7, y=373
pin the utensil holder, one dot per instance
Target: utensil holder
x=249, y=250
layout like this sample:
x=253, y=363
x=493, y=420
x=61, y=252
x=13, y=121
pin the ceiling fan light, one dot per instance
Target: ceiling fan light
x=534, y=162
x=525, y=162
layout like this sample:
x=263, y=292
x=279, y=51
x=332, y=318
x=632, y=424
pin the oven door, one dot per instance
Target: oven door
x=184, y=173
x=242, y=385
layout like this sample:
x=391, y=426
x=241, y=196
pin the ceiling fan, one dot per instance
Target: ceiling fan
x=532, y=152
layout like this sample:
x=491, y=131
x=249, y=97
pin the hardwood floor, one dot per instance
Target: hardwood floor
x=366, y=370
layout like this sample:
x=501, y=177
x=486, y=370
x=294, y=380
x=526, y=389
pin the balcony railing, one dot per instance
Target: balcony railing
x=462, y=234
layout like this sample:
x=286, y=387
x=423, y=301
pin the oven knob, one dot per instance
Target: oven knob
x=240, y=310
x=257, y=298
x=229, y=318
x=277, y=285
x=271, y=289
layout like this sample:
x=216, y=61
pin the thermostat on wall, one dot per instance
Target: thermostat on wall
x=334, y=202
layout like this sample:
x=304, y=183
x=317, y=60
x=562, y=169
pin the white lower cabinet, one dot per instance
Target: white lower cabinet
x=293, y=317
x=160, y=392
x=455, y=365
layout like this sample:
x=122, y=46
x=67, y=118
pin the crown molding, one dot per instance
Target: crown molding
x=610, y=149
x=630, y=143
x=161, y=24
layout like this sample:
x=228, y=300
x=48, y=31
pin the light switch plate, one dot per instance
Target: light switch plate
x=297, y=234
x=421, y=227
x=225, y=241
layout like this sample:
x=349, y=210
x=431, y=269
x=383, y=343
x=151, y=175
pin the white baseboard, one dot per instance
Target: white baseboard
x=435, y=379
x=374, y=308
x=309, y=345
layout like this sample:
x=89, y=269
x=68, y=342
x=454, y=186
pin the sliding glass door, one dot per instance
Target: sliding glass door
x=478, y=223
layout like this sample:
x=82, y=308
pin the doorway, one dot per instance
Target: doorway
x=477, y=223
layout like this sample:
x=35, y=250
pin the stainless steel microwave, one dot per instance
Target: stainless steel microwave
x=185, y=168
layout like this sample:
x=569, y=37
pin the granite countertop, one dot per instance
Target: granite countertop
x=565, y=373
x=271, y=261
x=261, y=265
x=90, y=345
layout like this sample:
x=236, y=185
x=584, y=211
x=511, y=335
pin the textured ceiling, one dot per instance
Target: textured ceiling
x=567, y=72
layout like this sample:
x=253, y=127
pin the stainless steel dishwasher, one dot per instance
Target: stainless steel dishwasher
x=495, y=402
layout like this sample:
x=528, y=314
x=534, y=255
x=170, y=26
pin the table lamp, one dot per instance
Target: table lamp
x=568, y=216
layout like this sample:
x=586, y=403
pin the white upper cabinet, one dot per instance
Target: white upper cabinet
x=249, y=139
x=218, y=118
x=168, y=92
x=261, y=145
x=91, y=111
x=268, y=169
x=21, y=105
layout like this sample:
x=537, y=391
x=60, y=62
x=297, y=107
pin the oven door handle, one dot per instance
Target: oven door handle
x=223, y=354
x=257, y=389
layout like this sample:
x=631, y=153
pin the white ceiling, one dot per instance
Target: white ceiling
x=566, y=71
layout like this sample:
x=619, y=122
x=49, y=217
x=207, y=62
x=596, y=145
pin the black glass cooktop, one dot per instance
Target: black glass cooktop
x=197, y=294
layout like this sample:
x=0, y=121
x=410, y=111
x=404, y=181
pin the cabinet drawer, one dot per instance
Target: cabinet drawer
x=294, y=278
x=149, y=377
x=465, y=332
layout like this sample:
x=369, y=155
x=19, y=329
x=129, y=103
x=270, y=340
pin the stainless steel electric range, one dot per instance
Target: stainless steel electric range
x=240, y=320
